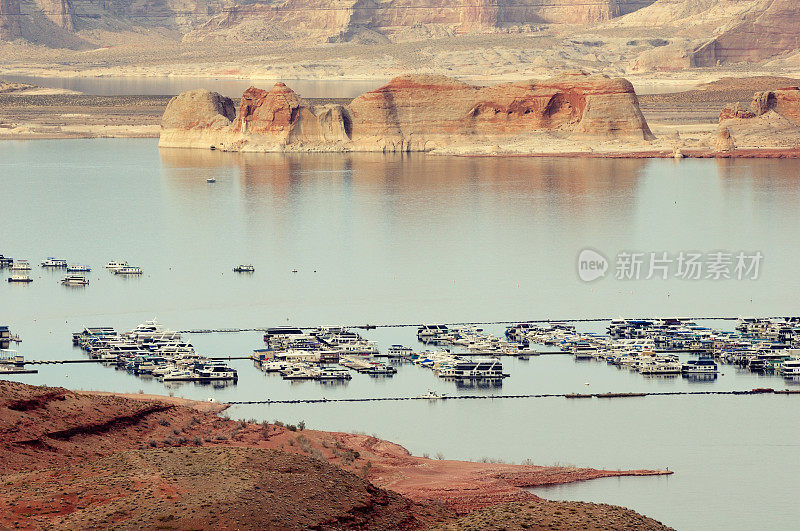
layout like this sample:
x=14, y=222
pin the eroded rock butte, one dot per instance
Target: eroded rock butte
x=411, y=113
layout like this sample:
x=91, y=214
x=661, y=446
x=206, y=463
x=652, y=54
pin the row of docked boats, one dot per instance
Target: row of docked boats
x=762, y=345
x=150, y=349
x=472, y=340
x=313, y=355
x=636, y=352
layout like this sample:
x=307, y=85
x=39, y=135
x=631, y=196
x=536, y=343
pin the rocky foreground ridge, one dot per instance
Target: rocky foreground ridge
x=412, y=113
x=74, y=460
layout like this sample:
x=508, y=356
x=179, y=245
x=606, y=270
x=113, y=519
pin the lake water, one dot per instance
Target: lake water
x=169, y=86
x=414, y=238
x=233, y=88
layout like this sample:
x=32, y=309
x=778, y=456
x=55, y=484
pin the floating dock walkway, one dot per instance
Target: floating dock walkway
x=501, y=397
x=470, y=323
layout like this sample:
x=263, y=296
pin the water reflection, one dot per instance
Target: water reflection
x=476, y=383
x=692, y=378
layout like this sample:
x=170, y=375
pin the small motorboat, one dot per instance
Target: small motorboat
x=211, y=180
x=431, y=395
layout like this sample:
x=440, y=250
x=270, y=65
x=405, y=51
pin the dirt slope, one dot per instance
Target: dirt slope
x=79, y=460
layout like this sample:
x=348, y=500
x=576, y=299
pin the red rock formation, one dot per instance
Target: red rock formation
x=764, y=33
x=773, y=120
x=282, y=114
x=412, y=113
x=435, y=105
x=785, y=102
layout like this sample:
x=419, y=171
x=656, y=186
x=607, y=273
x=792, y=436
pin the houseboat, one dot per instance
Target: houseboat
x=78, y=269
x=21, y=265
x=75, y=280
x=54, y=263
x=116, y=264
x=244, y=269
x=128, y=270
x=700, y=366
x=477, y=368
x=20, y=278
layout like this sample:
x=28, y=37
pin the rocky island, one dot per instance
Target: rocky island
x=421, y=113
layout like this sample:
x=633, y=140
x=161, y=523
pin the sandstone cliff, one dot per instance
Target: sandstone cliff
x=9, y=20
x=771, y=121
x=720, y=31
x=770, y=29
x=411, y=113
x=313, y=20
x=392, y=18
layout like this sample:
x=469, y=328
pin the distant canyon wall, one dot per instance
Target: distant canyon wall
x=762, y=33
x=410, y=113
x=236, y=21
x=349, y=18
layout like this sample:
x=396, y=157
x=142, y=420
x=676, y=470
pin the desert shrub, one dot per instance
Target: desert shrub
x=366, y=468
x=301, y=425
x=153, y=443
x=164, y=422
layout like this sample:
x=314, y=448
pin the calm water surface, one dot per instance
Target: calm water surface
x=407, y=239
x=169, y=86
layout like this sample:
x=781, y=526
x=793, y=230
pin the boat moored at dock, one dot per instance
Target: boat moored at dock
x=75, y=280
x=21, y=265
x=116, y=264
x=700, y=366
x=128, y=270
x=54, y=263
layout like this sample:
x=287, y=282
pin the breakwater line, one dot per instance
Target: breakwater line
x=464, y=323
x=750, y=392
